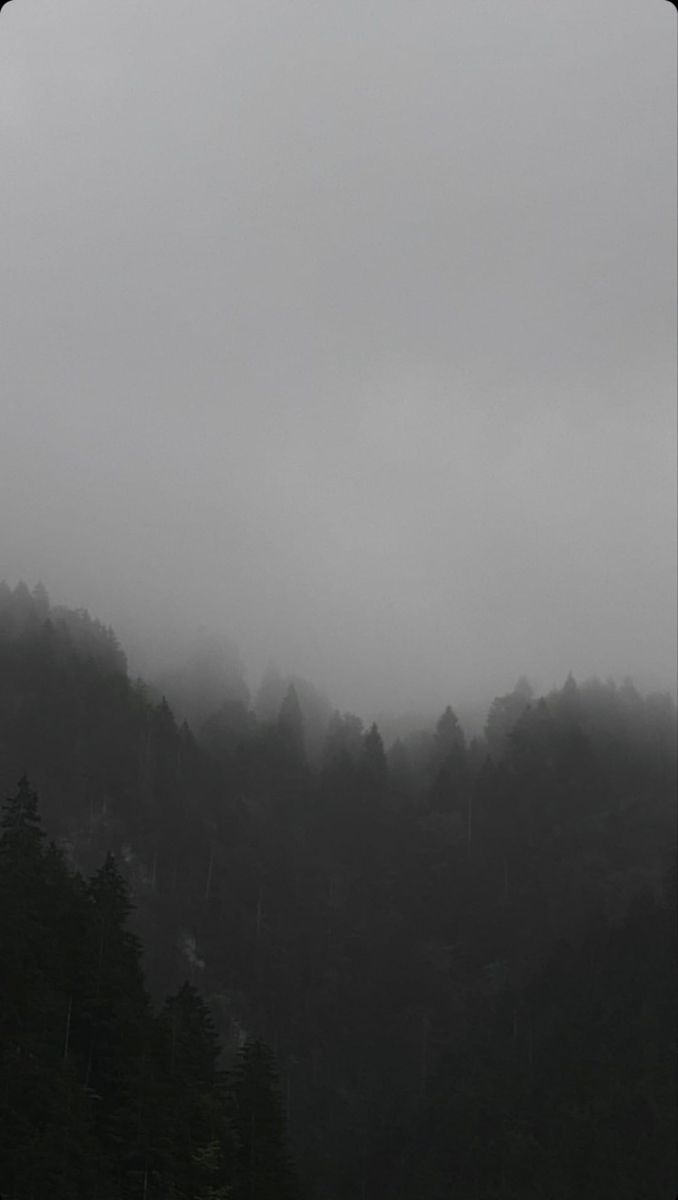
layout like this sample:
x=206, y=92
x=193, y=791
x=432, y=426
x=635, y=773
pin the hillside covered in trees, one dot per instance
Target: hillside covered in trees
x=460, y=953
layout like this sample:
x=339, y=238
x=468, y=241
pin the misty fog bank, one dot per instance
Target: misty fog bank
x=402, y=683
x=346, y=333
x=205, y=679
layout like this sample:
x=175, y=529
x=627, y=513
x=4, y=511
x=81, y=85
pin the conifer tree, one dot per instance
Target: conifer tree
x=265, y=1171
x=116, y=1017
x=46, y=1144
x=291, y=725
x=195, y=1095
x=22, y=833
x=373, y=759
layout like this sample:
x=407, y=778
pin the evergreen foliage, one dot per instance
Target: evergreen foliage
x=99, y=1095
x=463, y=953
x=264, y=1168
x=291, y=725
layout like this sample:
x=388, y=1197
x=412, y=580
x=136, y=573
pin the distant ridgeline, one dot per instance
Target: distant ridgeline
x=461, y=952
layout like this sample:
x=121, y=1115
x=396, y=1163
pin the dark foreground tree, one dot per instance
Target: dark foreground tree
x=196, y=1100
x=99, y=1097
x=265, y=1171
x=47, y=1145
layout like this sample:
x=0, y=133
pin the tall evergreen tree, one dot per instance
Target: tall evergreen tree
x=116, y=1021
x=291, y=725
x=46, y=1143
x=22, y=833
x=196, y=1100
x=264, y=1168
x=373, y=763
x=447, y=766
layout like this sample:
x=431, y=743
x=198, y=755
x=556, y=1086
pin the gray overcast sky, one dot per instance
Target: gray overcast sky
x=347, y=328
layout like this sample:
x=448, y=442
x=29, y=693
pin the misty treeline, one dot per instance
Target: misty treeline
x=459, y=953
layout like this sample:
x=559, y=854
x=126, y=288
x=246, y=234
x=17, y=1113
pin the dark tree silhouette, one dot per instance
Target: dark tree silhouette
x=462, y=956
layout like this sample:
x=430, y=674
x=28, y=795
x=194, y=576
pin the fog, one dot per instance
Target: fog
x=346, y=331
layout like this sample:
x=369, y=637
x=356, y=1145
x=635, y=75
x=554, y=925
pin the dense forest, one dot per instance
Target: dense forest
x=252, y=949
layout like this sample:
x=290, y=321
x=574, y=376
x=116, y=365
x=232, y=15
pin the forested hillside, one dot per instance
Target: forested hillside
x=460, y=953
x=101, y=1096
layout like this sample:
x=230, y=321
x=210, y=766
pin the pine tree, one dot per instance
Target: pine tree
x=291, y=725
x=449, y=737
x=22, y=833
x=265, y=1171
x=373, y=762
x=46, y=1144
x=195, y=1097
x=447, y=767
x=24, y=910
x=116, y=1024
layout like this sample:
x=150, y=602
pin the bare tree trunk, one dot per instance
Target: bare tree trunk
x=174, y=1042
x=423, y=1062
x=253, y=1155
x=330, y=903
x=209, y=873
x=102, y=940
x=67, y=1038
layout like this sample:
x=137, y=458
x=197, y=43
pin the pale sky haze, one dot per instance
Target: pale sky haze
x=346, y=328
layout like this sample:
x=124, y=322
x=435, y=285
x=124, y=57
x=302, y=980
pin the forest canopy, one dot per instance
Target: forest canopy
x=437, y=964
